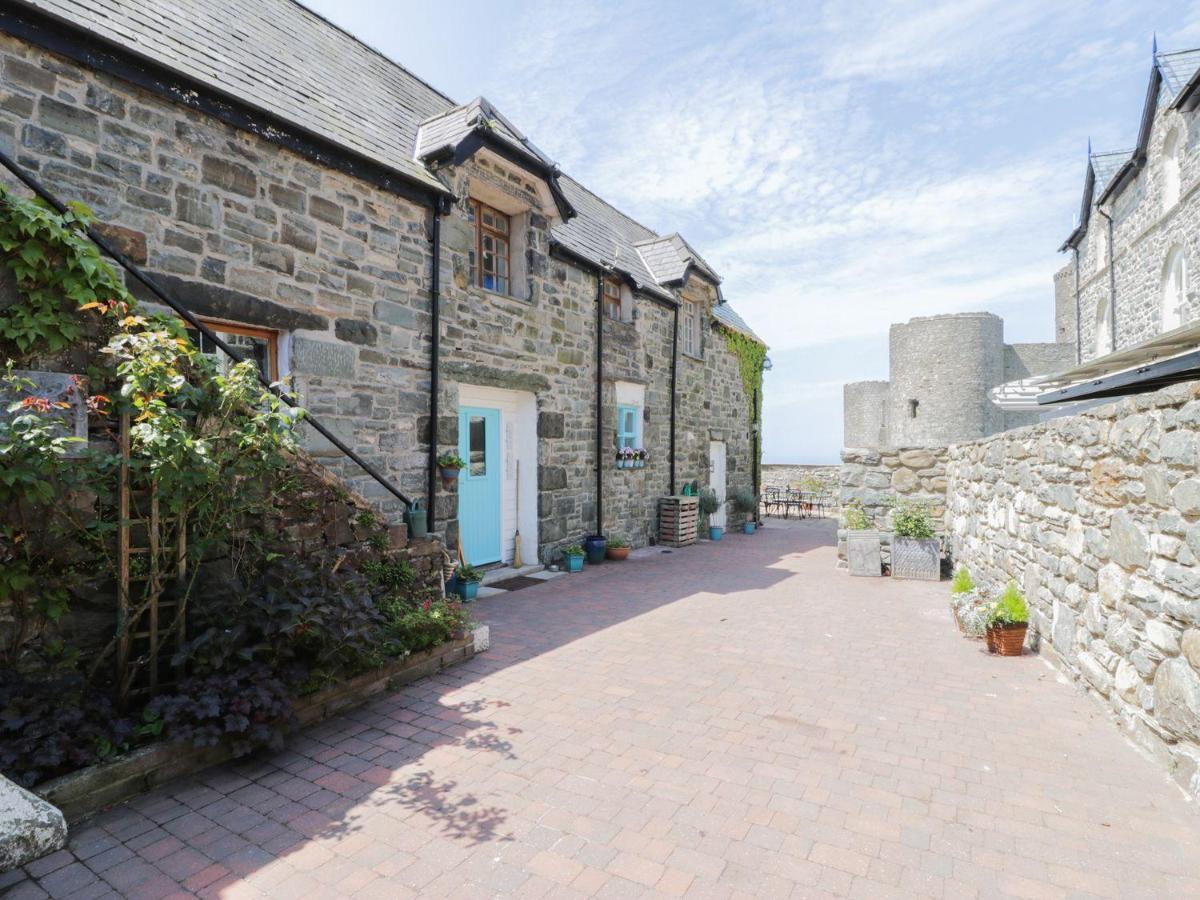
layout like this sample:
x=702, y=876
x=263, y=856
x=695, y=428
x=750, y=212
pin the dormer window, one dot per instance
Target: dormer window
x=489, y=257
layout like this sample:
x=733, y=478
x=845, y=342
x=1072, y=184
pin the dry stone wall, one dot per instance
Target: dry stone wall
x=784, y=475
x=878, y=478
x=1097, y=517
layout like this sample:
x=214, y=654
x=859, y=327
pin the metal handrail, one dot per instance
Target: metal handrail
x=128, y=265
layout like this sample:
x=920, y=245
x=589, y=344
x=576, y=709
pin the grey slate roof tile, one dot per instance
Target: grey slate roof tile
x=727, y=316
x=282, y=58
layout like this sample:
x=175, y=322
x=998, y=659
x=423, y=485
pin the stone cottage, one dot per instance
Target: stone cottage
x=425, y=277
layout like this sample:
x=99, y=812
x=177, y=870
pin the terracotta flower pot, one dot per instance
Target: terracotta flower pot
x=618, y=552
x=1007, y=640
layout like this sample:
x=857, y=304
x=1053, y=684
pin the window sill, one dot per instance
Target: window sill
x=695, y=356
x=484, y=294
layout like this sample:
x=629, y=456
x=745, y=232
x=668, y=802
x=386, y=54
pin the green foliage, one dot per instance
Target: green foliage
x=1010, y=608
x=962, y=582
x=469, y=574
x=709, y=503
x=617, y=543
x=855, y=516
x=450, y=461
x=911, y=519
x=58, y=271
x=390, y=576
x=573, y=550
x=421, y=626
x=743, y=501
x=751, y=356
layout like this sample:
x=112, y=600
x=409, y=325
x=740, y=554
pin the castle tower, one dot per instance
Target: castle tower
x=864, y=414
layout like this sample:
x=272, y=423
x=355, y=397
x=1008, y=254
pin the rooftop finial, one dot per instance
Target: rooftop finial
x=1089, y=146
x=1154, y=49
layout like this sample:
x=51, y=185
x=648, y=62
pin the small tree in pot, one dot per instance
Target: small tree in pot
x=916, y=551
x=864, y=546
x=1008, y=622
x=709, y=504
x=745, y=504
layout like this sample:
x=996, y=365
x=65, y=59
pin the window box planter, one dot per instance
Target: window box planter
x=864, y=553
x=917, y=558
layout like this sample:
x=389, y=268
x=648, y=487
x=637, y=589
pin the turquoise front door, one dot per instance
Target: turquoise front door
x=479, y=484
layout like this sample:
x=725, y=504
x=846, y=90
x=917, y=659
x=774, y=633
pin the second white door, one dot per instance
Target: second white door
x=716, y=479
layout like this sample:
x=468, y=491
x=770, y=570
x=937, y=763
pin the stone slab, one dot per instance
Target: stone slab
x=29, y=826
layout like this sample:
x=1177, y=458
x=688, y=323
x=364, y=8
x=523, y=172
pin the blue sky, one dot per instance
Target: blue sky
x=843, y=165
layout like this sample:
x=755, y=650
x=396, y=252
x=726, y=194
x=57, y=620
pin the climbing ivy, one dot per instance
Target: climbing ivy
x=751, y=356
x=58, y=271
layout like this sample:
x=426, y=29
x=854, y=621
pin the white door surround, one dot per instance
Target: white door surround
x=518, y=443
x=716, y=479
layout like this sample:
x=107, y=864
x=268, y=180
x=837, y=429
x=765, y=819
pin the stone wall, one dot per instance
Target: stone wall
x=1097, y=517
x=784, y=475
x=878, y=478
x=242, y=230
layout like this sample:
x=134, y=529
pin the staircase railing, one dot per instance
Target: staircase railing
x=129, y=266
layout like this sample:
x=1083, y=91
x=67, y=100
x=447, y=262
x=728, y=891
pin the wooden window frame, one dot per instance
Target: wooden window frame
x=613, y=305
x=270, y=335
x=480, y=229
x=691, y=328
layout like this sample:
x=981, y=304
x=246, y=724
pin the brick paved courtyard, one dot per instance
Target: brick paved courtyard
x=728, y=720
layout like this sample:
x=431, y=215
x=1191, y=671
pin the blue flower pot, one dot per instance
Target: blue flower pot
x=468, y=590
x=748, y=528
x=715, y=532
x=574, y=563
x=594, y=546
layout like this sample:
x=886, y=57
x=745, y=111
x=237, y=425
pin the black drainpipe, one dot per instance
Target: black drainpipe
x=754, y=460
x=599, y=401
x=435, y=349
x=674, y=371
x=1078, y=314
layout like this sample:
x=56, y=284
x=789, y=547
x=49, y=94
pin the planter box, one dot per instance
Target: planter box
x=919, y=558
x=864, y=553
x=82, y=794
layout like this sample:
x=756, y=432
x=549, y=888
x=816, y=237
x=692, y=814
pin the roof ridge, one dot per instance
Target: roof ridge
x=334, y=25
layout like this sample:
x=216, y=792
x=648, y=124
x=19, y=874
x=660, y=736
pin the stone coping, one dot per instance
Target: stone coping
x=86, y=792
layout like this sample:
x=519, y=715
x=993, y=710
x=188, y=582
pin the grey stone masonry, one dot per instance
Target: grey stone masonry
x=878, y=478
x=1097, y=518
x=245, y=231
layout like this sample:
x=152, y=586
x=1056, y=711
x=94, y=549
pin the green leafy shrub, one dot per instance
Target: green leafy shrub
x=389, y=575
x=743, y=501
x=962, y=582
x=912, y=519
x=249, y=705
x=855, y=516
x=1010, y=608
x=469, y=574
x=418, y=627
x=709, y=503
x=617, y=543
x=450, y=461
x=573, y=550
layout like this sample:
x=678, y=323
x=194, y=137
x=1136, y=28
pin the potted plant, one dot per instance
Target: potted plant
x=1008, y=622
x=639, y=457
x=967, y=604
x=625, y=458
x=916, y=551
x=864, y=546
x=594, y=546
x=709, y=504
x=618, y=548
x=574, y=557
x=468, y=583
x=449, y=464
x=744, y=503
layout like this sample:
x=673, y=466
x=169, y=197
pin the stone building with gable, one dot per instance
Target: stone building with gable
x=422, y=273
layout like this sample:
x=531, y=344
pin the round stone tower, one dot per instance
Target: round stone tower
x=941, y=370
x=864, y=414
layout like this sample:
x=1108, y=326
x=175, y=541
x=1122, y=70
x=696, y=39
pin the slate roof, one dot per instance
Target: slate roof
x=279, y=57
x=727, y=316
x=1178, y=69
x=670, y=257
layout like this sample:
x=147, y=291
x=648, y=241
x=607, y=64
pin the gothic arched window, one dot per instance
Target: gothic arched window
x=1172, y=151
x=1175, y=310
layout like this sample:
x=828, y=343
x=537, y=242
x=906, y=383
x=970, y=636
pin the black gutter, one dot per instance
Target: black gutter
x=674, y=374
x=125, y=263
x=559, y=250
x=1141, y=380
x=599, y=401
x=102, y=55
x=435, y=350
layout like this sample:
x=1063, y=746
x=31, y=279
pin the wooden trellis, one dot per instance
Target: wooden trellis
x=147, y=621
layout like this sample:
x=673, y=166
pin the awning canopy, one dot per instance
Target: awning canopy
x=1167, y=359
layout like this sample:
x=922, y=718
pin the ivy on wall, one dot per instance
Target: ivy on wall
x=751, y=356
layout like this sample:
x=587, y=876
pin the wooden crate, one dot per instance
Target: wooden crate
x=678, y=520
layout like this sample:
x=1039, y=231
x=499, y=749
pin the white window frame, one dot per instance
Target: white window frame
x=690, y=327
x=1174, y=290
x=1103, y=336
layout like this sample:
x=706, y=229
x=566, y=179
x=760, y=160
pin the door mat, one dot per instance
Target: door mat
x=516, y=583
